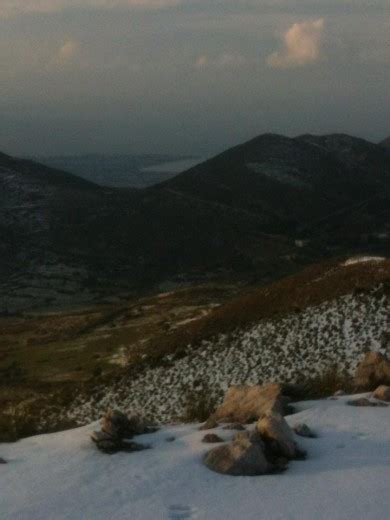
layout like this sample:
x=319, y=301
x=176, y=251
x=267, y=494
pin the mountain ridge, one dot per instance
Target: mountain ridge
x=257, y=211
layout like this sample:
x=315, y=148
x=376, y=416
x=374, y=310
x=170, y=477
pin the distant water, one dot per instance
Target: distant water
x=123, y=171
x=174, y=166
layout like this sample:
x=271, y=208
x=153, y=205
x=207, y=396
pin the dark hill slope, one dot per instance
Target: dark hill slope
x=385, y=143
x=259, y=211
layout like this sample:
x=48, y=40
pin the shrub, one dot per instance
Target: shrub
x=327, y=383
x=199, y=405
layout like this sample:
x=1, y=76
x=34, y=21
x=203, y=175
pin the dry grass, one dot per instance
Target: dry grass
x=327, y=383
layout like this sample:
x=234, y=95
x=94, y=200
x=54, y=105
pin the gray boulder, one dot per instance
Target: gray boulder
x=279, y=435
x=117, y=424
x=244, y=456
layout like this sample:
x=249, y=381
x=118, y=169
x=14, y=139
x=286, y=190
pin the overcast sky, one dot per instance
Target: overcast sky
x=189, y=76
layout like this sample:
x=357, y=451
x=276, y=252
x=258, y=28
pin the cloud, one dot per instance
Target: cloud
x=20, y=7
x=301, y=45
x=224, y=60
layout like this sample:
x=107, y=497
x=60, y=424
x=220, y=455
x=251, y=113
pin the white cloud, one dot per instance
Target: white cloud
x=301, y=45
x=20, y=7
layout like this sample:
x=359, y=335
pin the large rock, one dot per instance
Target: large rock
x=280, y=436
x=247, y=403
x=244, y=456
x=382, y=393
x=117, y=424
x=116, y=427
x=372, y=371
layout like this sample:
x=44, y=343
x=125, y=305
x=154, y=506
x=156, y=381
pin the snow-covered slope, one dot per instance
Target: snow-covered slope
x=345, y=477
x=289, y=349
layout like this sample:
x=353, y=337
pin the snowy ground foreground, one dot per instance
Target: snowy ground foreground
x=63, y=476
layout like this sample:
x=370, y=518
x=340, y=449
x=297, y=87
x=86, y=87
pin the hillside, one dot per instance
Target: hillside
x=331, y=315
x=345, y=475
x=385, y=143
x=254, y=213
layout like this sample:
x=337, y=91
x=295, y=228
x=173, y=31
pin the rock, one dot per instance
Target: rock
x=3, y=461
x=275, y=429
x=248, y=403
x=210, y=424
x=372, y=371
x=211, y=438
x=235, y=426
x=382, y=393
x=339, y=393
x=117, y=424
x=102, y=436
x=243, y=456
x=170, y=439
x=304, y=431
x=362, y=401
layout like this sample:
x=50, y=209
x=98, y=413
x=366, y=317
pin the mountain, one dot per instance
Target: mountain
x=255, y=212
x=385, y=143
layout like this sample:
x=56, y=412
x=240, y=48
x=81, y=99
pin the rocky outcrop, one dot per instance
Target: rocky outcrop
x=266, y=449
x=382, y=393
x=248, y=403
x=116, y=429
x=372, y=371
x=279, y=435
x=244, y=456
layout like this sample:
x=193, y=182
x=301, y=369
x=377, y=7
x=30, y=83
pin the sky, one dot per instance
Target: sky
x=189, y=76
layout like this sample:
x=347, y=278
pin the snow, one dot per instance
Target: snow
x=63, y=476
x=363, y=259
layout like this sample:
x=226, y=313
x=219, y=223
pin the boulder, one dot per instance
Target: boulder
x=2, y=461
x=372, y=371
x=243, y=456
x=339, y=393
x=117, y=424
x=106, y=443
x=248, y=403
x=212, y=438
x=279, y=435
x=382, y=393
x=303, y=430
